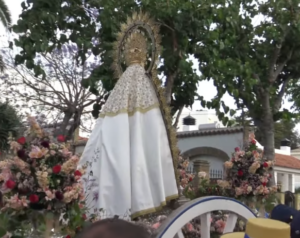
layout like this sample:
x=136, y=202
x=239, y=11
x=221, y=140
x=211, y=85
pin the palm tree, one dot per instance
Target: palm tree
x=10, y=123
x=5, y=19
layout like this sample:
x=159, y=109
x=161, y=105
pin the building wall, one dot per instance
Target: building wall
x=225, y=142
x=202, y=117
x=215, y=163
x=297, y=181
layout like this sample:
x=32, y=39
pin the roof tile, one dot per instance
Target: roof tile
x=287, y=161
x=211, y=131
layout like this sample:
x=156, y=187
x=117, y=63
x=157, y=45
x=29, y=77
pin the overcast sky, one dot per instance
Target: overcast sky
x=205, y=89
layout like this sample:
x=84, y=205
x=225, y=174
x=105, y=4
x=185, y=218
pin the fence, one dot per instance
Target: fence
x=214, y=174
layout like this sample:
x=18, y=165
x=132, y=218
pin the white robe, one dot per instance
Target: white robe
x=130, y=169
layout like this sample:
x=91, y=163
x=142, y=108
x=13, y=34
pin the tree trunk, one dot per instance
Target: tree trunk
x=177, y=117
x=62, y=129
x=267, y=127
x=75, y=125
x=169, y=86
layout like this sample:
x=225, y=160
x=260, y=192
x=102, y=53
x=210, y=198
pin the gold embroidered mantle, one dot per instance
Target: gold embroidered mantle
x=133, y=92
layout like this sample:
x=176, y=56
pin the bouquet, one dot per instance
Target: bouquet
x=40, y=185
x=249, y=174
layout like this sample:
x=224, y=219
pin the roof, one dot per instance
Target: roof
x=83, y=138
x=287, y=161
x=211, y=131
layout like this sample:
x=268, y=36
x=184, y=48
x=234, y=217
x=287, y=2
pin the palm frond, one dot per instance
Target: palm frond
x=5, y=15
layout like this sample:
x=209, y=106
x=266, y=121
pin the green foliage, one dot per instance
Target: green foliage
x=205, y=188
x=252, y=61
x=283, y=129
x=10, y=123
x=180, y=23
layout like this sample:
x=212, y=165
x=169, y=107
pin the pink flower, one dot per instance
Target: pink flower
x=75, y=158
x=251, y=136
x=37, y=153
x=189, y=227
x=156, y=225
x=65, y=152
x=49, y=195
x=15, y=146
x=228, y=164
x=238, y=191
x=220, y=225
x=17, y=203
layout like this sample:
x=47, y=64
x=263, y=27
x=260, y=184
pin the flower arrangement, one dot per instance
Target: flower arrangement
x=40, y=185
x=185, y=178
x=248, y=174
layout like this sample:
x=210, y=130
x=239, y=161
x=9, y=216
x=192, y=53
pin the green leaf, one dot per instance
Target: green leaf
x=221, y=45
x=2, y=232
x=96, y=50
x=231, y=112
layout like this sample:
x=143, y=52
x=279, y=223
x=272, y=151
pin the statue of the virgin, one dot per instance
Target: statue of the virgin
x=129, y=155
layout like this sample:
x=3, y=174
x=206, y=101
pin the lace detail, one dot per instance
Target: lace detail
x=133, y=92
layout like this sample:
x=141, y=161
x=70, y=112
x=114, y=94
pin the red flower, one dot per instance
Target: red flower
x=61, y=138
x=240, y=173
x=56, y=169
x=34, y=198
x=84, y=217
x=265, y=165
x=21, y=140
x=264, y=184
x=236, y=149
x=59, y=195
x=45, y=144
x=21, y=154
x=68, y=236
x=190, y=179
x=77, y=173
x=10, y=184
x=253, y=142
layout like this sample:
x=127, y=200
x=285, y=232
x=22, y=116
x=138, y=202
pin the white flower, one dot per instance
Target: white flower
x=201, y=174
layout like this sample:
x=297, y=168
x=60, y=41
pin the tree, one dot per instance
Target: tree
x=5, y=19
x=253, y=63
x=59, y=97
x=10, y=123
x=180, y=21
x=282, y=129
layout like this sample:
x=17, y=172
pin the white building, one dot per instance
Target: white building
x=204, y=119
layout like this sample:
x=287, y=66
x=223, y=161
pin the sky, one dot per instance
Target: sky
x=205, y=88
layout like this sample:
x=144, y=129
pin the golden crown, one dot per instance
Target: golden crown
x=132, y=43
x=136, y=49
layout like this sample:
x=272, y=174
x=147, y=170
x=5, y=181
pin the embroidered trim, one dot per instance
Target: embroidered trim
x=130, y=113
x=154, y=209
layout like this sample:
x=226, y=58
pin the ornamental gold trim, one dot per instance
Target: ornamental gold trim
x=154, y=209
x=130, y=113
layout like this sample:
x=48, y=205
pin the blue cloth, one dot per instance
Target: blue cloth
x=246, y=236
x=288, y=215
x=283, y=213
